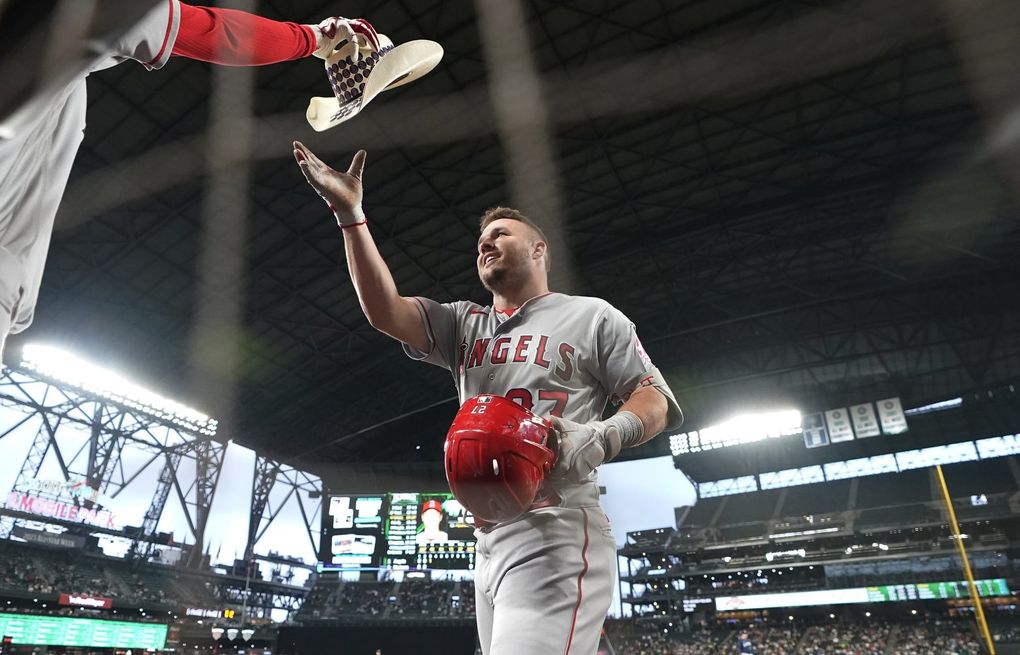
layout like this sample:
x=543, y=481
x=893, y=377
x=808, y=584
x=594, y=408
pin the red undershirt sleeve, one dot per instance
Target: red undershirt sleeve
x=237, y=38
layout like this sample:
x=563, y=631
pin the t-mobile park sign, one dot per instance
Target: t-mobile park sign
x=57, y=509
x=78, y=600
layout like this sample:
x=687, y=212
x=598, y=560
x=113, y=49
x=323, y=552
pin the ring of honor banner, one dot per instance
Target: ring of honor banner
x=890, y=413
x=838, y=422
x=864, y=420
x=861, y=421
x=815, y=434
x=402, y=531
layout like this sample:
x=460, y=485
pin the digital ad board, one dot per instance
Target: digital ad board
x=877, y=594
x=402, y=531
x=87, y=633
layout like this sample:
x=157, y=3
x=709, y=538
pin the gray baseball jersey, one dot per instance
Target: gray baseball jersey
x=38, y=144
x=563, y=356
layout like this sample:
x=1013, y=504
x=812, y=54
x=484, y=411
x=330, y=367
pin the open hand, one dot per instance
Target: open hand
x=341, y=191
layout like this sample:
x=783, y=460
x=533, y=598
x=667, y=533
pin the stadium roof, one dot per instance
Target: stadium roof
x=806, y=203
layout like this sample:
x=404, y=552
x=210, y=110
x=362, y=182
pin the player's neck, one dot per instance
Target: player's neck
x=514, y=298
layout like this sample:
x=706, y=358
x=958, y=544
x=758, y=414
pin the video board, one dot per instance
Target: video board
x=87, y=633
x=401, y=531
x=937, y=590
x=878, y=594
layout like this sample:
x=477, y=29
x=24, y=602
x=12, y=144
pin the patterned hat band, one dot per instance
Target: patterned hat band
x=358, y=74
x=348, y=77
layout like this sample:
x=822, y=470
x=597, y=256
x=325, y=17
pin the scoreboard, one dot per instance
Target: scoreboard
x=937, y=590
x=401, y=531
x=88, y=633
x=879, y=594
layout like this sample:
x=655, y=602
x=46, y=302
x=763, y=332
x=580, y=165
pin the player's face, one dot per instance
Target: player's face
x=431, y=518
x=505, y=254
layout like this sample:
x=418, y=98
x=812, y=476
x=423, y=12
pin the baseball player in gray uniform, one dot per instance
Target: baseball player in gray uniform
x=39, y=139
x=543, y=581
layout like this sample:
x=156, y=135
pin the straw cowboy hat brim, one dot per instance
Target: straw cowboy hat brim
x=359, y=82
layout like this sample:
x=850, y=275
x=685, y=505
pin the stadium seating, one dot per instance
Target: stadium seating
x=843, y=638
x=25, y=569
x=989, y=476
x=937, y=637
x=739, y=510
x=411, y=599
x=897, y=516
x=817, y=499
x=703, y=512
x=423, y=598
x=903, y=488
x=855, y=637
x=746, y=532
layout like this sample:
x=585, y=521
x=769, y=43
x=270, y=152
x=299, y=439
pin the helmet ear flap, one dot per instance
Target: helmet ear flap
x=496, y=457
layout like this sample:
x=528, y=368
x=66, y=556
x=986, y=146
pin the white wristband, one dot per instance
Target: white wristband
x=622, y=430
x=343, y=219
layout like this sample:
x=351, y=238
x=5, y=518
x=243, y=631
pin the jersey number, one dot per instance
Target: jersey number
x=523, y=398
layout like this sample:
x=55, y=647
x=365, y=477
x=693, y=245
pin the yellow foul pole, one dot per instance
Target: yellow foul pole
x=979, y=610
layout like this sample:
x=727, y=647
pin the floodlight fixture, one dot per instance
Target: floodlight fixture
x=741, y=429
x=72, y=370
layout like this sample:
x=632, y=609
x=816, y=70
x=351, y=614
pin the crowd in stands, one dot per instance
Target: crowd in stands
x=695, y=643
x=773, y=641
x=409, y=599
x=423, y=598
x=320, y=602
x=937, y=638
x=633, y=638
x=466, y=603
x=765, y=641
x=652, y=643
x=1006, y=634
x=86, y=613
x=848, y=639
x=24, y=572
x=145, y=591
x=930, y=637
x=26, y=569
x=51, y=573
x=364, y=598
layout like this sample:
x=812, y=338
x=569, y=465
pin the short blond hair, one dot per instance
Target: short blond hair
x=496, y=213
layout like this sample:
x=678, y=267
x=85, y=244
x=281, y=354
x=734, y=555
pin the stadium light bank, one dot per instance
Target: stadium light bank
x=741, y=429
x=69, y=369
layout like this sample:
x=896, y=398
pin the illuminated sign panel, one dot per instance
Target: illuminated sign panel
x=878, y=594
x=81, y=600
x=56, y=509
x=203, y=612
x=87, y=633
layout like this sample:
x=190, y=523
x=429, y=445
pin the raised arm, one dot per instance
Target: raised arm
x=237, y=38
x=385, y=309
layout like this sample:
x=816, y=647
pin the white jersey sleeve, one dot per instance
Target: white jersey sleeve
x=621, y=360
x=441, y=322
x=150, y=41
x=624, y=366
x=38, y=143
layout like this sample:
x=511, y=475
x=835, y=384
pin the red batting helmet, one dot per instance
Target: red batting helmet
x=497, y=455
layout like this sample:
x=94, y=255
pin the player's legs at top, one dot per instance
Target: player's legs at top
x=483, y=604
x=550, y=577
